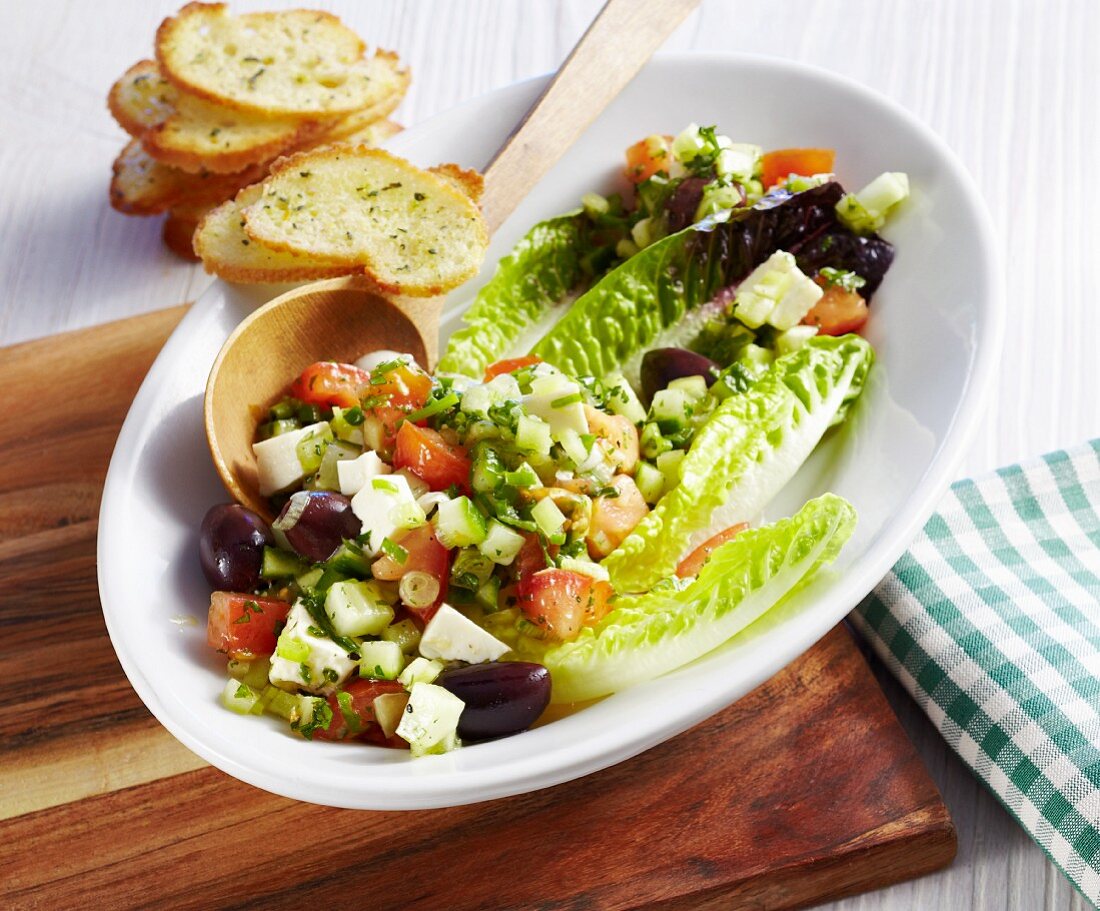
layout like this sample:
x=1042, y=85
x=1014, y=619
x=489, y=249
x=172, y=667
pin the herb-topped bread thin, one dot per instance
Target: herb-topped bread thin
x=229, y=253
x=411, y=231
x=141, y=185
x=303, y=62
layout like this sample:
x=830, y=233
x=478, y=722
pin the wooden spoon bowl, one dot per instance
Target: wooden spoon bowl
x=336, y=320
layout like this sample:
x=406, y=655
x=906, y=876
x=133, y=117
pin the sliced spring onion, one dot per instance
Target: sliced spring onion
x=432, y=408
x=295, y=507
x=418, y=589
x=394, y=551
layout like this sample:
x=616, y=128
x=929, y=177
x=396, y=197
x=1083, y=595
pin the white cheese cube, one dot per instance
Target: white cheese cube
x=277, y=462
x=453, y=637
x=303, y=660
x=567, y=414
x=354, y=474
x=430, y=720
x=378, y=507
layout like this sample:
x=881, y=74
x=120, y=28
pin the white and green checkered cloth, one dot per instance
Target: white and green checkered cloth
x=991, y=620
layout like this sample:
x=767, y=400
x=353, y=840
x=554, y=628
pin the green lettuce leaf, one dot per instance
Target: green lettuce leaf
x=630, y=307
x=542, y=268
x=747, y=450
x=649, y=635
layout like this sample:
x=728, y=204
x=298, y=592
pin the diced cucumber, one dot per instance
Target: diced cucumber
x=471, y=569
x=548, y=517
x=794, y=338
x=347, y=424
x=717, y=197
x=694, y=387
x=488, y=596
x=388, y=709
x=357, y=608
x=669, y=465
x=237, y=669
x=670, y=410
x=574, y=446
x=281, y=703
x=430, y=721
x=349, y=560
x=239, y=697
x=381, y=659
x=279, y=564
x=523, y=476
x=652, y=441
x=406, y=634
x=622, y=399
x=285, y=425
x=650, y=481
x=757, y=356
x=419, y=670
x=254, y=672
x=284, y=409
x=595, y=205
x=458, y=523
x=307, y=581
x=291, y=648
x=740, y=161
x=408, y=515
x=533, y=435
x=311, y=447
x=865, y=212
x=501, y=544
x=488, y=470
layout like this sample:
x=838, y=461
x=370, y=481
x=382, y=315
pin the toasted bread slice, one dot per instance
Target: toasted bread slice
x=141, y=185
x=346, y=127
x=300, y=62
x=410, y=231
x=186, y=132
x=142, y=98
x=229, y=253
x=372, y=134
x=177, y=231
x=206, y=137
x=467, y=181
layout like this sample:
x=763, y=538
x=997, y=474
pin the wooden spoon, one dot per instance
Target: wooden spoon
x=343, y=318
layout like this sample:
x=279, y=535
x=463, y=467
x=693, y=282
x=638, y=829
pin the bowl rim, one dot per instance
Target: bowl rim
x=545, y=769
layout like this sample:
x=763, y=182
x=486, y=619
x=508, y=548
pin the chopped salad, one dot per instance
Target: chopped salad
x=569, y=505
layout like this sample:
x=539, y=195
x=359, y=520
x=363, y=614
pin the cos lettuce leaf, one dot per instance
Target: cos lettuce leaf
x=747, y=450
x=542, y=268
x=633, y=304
x=649, y=635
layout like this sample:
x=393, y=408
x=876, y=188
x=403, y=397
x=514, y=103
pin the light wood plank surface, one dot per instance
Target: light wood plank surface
x=1010, y=84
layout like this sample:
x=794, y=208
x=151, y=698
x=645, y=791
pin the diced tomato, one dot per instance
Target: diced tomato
x=561, y=601
x=613, y=518
x=648, y=156
x=531, y=557
x=782, y=162
x=436, y=462
x=243, y=626
x=693, y=562
x=425, y=554
x=838, y=312
x=618, y=436
x=329, y=383
x=401, y=390
x=359, y=722
x=510, y=364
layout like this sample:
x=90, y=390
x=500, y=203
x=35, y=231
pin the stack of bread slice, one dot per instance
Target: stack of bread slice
x=228, y=95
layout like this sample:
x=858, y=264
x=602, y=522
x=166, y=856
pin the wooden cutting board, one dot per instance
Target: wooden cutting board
x=807, y=789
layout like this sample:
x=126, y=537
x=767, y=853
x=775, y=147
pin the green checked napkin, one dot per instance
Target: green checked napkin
x=991, y=620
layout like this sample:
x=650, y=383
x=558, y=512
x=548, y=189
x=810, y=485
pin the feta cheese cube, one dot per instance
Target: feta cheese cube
x=354, y=474
x=277, y=462
x=378, y=507
x=307, y=661
x=566, y=414
x=453, y=637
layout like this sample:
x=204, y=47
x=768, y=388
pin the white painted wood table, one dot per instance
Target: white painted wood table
x=1012, y=85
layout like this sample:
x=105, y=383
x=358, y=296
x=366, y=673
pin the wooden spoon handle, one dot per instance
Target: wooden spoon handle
x=621, y=38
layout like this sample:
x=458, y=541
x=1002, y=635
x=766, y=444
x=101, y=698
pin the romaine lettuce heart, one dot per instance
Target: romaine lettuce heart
x=539, y=272
x=628, y=309
x=649, y=635
x=743, y=455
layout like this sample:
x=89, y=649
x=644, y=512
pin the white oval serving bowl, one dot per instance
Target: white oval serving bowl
x=935, y=325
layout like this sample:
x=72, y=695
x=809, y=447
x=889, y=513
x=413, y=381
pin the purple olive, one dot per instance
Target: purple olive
x=315, y=522
x=231, y=547
x=683, y=203
x=502, y=697
x=663, y=365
